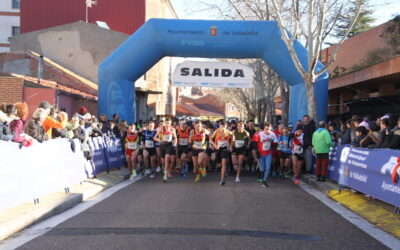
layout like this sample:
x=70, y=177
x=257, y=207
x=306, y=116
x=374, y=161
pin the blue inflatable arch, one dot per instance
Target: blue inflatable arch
x=158, y=38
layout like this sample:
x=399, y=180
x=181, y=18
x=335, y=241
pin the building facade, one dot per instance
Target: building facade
x=28, y=77
x=124, y=16
x=365, y=79
x=81, y=47
x=10, y=22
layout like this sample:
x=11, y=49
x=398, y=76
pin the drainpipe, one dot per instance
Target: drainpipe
x=40, y=70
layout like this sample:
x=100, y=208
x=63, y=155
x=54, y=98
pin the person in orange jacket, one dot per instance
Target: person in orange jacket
x=49, y=123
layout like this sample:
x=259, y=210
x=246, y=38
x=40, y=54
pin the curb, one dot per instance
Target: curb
x=324, y=187
x=17, y=218
x=376, y=212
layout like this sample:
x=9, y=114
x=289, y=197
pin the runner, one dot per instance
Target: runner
x=240, y=146
x=149, y=149
x=211, y=152
x=264, y=140
x=221, y=140
x=183, y=133
x=197, y=139
x=166, y=136
x=298, y=152
x=160, y=163
x=275, y=152
x=252, y=157
x=285, y=152
x=132, y=149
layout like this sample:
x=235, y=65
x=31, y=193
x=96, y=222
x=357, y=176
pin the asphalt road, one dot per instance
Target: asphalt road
x=186, y=215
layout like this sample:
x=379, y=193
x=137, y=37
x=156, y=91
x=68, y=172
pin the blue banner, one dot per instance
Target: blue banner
x=114, y=154
x=99, y=158
x=367, y=170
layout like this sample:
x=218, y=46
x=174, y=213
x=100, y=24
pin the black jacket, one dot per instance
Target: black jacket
x=347, y=136
x=386, y=136
x=395, y=142
x=309, y=130
x=5, y=132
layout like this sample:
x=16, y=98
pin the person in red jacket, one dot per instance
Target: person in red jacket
x=265, y=141
x=17, y=126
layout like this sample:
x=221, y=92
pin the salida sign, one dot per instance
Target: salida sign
x=213, y=75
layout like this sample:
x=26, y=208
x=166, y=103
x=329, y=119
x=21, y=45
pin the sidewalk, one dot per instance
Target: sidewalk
x=17, y=218
x=377, y=212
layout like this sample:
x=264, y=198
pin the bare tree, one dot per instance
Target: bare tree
x=314, y=21
x=260, y=101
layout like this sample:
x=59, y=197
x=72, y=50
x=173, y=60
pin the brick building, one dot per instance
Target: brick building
x=81, y=47
x=365, y=79
x=31, y=78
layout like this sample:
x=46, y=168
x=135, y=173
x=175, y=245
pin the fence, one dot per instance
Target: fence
x=370, y=171
x=44, y=168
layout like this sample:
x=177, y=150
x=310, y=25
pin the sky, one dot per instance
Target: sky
x=384, y=9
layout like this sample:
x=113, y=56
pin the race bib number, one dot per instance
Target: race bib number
x=183, y=141
x=132, y=145
x=198, y=144
x=149, y=144
x=285, y=144
x=167, y=138
x=298, y=149
x=222, y=144
x=266, y=146
x=239, y=143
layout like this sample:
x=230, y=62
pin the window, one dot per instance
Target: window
x=14, y=30
x=15, y=4
x=232, y=106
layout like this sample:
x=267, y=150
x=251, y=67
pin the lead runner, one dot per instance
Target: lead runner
x=166, y=136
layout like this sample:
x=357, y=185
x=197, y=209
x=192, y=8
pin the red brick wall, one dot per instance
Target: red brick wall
x=34, y=96
x=49, y=72
x=354, y=50
x=11, y=90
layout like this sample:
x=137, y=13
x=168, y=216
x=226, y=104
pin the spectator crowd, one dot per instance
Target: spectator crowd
x=291, y=147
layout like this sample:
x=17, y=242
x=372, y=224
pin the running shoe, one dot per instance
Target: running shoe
x=158, y=169
x=170, y=175
x=247, y=168
x=259, y=180
x=237, y=180
x=222, y=182
x=203, y=172
x=148, y=171
x=265, y=184
x=165, y=179
x=152, y=175
x=198, y=178
x=296, y=181
x=134, y=173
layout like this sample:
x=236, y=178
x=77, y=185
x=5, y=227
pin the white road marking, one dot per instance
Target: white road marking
x=383, y=237
x=43, y=227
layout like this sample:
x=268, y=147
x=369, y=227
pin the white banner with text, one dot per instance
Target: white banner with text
x=213, y=75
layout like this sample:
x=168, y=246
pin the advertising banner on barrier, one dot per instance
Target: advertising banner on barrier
x=213, y=75
x=114, y=155
x=99, y=159
x=369, y=171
